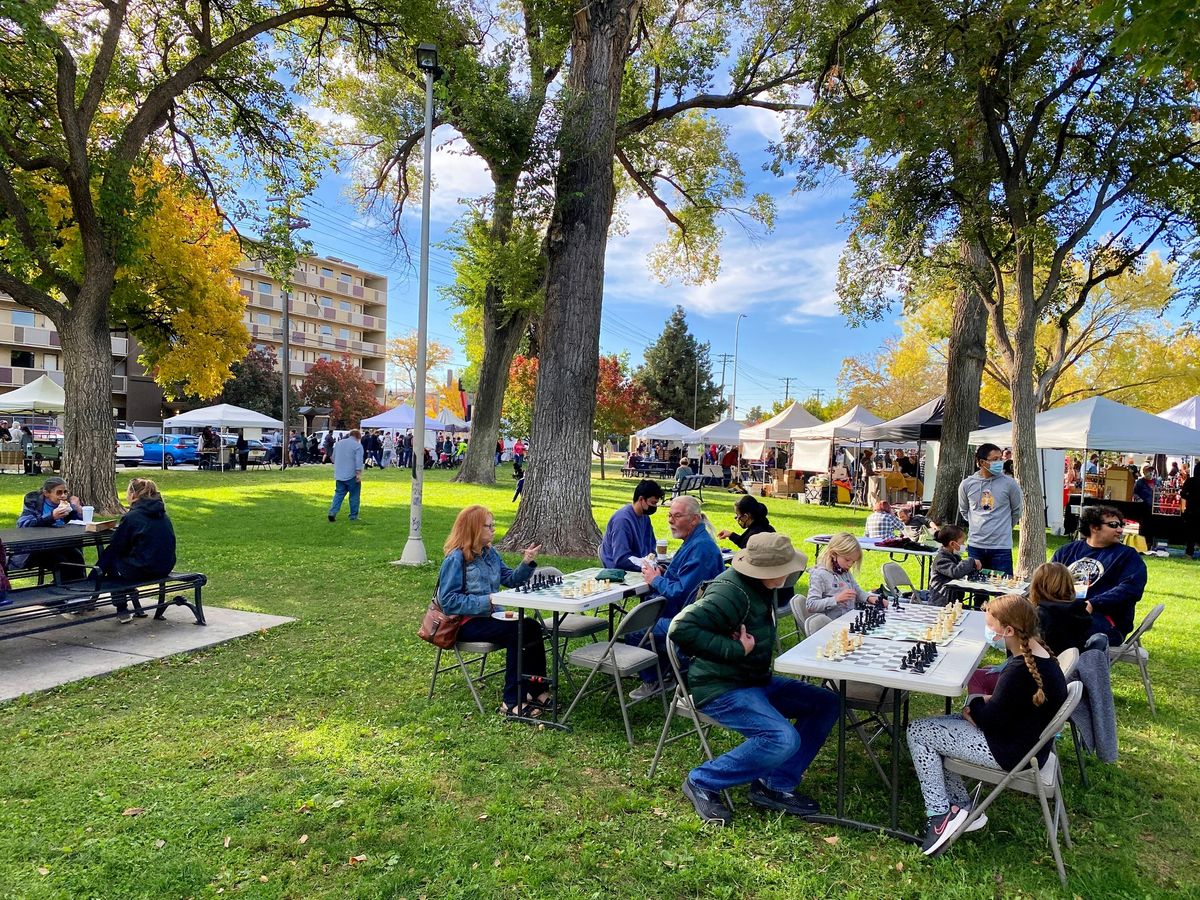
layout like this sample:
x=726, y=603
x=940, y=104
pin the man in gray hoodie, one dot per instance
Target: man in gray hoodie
x=990, y=502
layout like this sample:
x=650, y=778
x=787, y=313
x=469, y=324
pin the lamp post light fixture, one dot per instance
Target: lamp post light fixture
x=737, y=330
x=414, y=550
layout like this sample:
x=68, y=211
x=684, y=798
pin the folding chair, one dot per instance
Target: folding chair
x=621, y=660
x=898, y=580
x=684, y=706
x=1068, y=660
x=1134, y=653
x=1043, y=782
x=860, y=697
x=789, y=582
x=481, y=650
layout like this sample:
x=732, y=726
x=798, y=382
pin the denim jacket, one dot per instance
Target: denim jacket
x=485, y=575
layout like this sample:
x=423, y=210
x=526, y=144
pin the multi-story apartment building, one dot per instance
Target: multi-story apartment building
x=336, y=311
x=30, y=348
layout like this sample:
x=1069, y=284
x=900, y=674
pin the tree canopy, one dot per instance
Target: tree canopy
x=677, y=376
x=340, y=385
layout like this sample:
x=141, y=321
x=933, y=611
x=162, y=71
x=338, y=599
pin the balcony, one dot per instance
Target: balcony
x=338, y=286
x=318, y=341
x=373, y=376
x=28, y=336
x=16, y=376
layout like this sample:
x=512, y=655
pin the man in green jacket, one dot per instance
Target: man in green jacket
x=729, y=633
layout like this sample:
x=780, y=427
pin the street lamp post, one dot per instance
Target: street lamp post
x=414, y=550
x=737, y=329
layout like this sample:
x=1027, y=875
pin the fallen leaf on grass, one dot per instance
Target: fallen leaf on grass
x=481, y=818
x=226, y=842
x=899, y=867
x=42, y=870
x=355, y=860
x=831, y=840
x=263, y=878
x=133, y=811
x=303, y=839
x=160, y=843
x=337, y=803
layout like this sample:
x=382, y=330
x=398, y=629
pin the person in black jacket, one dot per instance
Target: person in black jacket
x=1064, y=620
x=751, y=515
x=143, y=546
x=949, y=566
x=996, y=730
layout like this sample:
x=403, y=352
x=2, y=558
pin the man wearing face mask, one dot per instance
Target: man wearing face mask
x=629, y=532
x=990, y=502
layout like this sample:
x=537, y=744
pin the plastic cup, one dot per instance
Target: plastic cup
x=88, y=513
x=661, y=547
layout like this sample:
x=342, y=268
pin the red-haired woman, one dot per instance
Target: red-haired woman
x=471, y=572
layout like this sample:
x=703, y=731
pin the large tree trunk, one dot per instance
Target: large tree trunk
x=965, y=356
x=89, y=466
x=1024, y=411
x=557, y=509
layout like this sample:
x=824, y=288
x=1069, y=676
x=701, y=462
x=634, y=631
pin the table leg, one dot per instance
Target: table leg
x=895, y=812
x=523, y=680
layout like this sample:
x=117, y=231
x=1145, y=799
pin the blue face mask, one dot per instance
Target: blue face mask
x=994, y=640
x=997, y=467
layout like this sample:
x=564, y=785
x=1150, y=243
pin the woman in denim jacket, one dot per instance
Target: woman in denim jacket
x=471, y=571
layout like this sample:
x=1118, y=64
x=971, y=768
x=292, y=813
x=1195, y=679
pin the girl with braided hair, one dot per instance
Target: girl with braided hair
x=994, y=730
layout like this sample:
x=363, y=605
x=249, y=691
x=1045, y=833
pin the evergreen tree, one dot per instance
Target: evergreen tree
x=677, y=375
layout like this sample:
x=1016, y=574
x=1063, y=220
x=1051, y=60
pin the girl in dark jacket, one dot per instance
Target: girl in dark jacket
x=1063, y=619
x=143, y=546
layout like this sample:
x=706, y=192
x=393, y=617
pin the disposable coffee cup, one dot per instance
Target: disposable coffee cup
x=88, y=512
x=661, y=547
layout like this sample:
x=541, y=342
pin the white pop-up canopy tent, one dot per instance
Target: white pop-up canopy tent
x=42, y=395
x=1101, y=424
x=812, y=446
x=221, y=417
x=1185, y=413
x=727, y=431
x=668, y=429
x=401, y=416
x=450, y=422
x=776, y=428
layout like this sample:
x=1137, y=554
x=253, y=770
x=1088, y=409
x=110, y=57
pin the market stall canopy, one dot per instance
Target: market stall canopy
x=668, y=429
x=923, y=424
x=1186, y=413
x=450, y=422
x=727, y=431
x=401, y=416
x=222, y=416
x=848, y=426
x=776, y=428
x=43, y=395
x=1101, y=424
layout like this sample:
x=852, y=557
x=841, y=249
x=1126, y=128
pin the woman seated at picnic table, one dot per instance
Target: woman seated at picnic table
x=832, y=589
x=142, y=547
x=470, y=573
x=52, y=506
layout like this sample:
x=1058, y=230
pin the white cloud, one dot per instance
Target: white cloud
x=458, y=175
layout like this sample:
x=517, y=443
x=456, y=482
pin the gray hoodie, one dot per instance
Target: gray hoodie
x=991, y=506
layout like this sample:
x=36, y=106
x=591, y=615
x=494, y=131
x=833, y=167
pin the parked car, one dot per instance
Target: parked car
x=128, y=449
x=46, y=434
x=177, y=448
x=257, y=450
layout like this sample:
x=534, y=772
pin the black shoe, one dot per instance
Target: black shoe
x=333, y=518
x=709, y=806
x=939, y=829
x=784, y=801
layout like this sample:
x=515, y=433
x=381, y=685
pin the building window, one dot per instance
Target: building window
x=344, y=304
x=344, y=334
x=265, y=287
x=327, y=301
x=327, y=330
x=262, y=319
x=50, y=362
x=324, y=357
x=22, y=359
x=247, y=284
x=328, y=273
x=344, y=276
x=23, y=317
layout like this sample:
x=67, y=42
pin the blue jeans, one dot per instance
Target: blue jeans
x=775, y=751
x=341, y=488
x=997, y=560
x=659, y=629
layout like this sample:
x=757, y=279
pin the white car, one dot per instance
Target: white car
x=128, y=449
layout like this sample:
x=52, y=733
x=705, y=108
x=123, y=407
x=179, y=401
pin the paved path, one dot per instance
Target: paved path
x=43, y=661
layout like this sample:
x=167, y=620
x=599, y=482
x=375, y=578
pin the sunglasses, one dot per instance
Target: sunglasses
x=1114, y=524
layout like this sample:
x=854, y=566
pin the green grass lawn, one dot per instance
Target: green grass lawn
x=306, y=762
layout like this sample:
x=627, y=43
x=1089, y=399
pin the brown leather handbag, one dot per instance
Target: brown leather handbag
x=441, y=628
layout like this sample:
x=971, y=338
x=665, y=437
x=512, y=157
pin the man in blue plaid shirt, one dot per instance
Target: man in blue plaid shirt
x=883, y=523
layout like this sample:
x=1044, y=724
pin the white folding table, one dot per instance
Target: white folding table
x=947, y=677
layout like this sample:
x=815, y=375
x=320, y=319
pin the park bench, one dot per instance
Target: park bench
x=45, y=606
x=689, y=484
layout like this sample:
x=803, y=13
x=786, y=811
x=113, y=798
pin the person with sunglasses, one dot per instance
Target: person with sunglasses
x=1114, y=573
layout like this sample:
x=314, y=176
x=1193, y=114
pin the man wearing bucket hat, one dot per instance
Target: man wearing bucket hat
x=729, y=633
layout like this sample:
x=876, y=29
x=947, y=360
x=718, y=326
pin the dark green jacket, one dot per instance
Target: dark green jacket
x=704, y=632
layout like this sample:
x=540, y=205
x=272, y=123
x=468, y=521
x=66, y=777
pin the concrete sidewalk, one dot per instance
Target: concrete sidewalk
x=42, y=661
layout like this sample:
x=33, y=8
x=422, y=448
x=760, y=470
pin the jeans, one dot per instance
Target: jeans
x=341, y=488
x=659, y=629
x=776, y=751
x=485, y=628
x=997, y=560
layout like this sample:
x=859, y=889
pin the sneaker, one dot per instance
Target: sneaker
x=125, y=618
x=979, y=823
x=646, y=690
x=333, y=518
x=709, y=806
x=785, y=801
x=939, y=829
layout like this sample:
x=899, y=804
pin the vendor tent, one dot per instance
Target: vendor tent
x=448, y=421
x=776, y=428
x=812, y=446
x=401, y=416
x=42, y=395
x=668, y=429
x=727, y=431
x=222, y=416
x=1101, y=424
x=1185, y=413
x=922, y=424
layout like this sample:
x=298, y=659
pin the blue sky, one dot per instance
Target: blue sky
x=783, y=280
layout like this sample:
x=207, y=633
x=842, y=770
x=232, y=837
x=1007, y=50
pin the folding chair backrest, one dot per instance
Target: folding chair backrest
x=799, y=611
x=1067, y=661
x=641, y=617
x=1147, y=623
x=895, y=577
x=549, y=570
x=1074, y=693
x=790, y=581
x=676, y=669
x=815, y=623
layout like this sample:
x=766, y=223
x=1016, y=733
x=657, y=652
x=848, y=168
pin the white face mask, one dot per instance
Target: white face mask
x=994, y=639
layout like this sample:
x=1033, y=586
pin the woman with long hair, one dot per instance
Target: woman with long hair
x=143, y=546
x=470, y=573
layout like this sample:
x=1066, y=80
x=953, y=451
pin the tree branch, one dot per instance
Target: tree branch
x=102, y=65
x=32, y=298
x=648, y=190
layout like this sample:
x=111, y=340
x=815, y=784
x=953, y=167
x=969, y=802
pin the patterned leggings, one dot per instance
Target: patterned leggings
x=931, y=739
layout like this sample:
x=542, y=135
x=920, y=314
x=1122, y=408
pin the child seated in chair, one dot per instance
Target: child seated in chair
x=949, y=566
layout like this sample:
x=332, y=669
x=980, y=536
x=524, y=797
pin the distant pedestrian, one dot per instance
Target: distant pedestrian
x=327, y=447
x=389, y=450
x=347, y=459
x=519, y=451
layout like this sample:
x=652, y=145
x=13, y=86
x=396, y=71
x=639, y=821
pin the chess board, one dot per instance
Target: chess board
x=876, y=656
x=908, y=624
